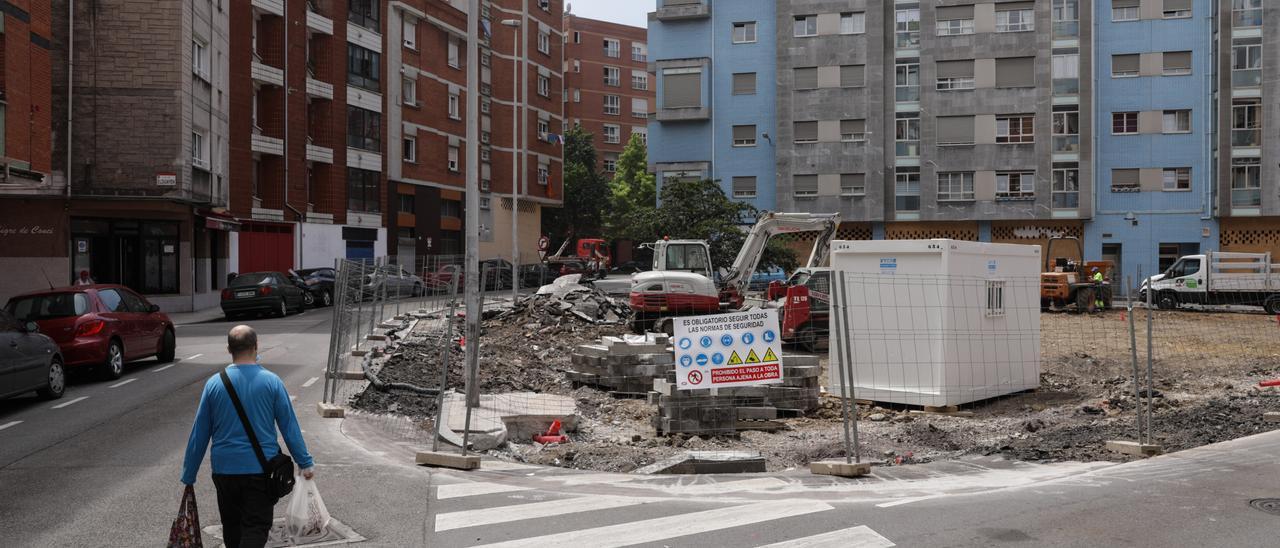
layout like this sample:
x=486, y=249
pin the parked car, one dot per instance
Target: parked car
x=29, y=360
x=102, y=325
x=258, y=292
x=761, y=278
x=496, y=275
x=319, y=282
x=536, y=275
x=397, y=282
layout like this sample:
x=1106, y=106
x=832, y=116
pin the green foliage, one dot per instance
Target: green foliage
x=633, y=189
x=586, y=192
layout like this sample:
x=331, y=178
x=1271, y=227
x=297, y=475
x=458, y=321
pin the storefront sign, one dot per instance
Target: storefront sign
x=166, y=179
x=28, y=230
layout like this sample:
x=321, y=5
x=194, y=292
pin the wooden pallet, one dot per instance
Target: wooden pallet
x=947, y=410
x=761, y=425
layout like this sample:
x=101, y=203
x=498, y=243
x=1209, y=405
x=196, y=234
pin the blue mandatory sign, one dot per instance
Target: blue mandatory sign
x=705, y=341
x=717, y=358
x=748, y=338
x=768, y=336
x=702, y=359
x=685, y=343
x=726, y=339
x=686, y=361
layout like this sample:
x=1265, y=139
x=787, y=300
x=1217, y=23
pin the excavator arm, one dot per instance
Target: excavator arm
x=771, y=224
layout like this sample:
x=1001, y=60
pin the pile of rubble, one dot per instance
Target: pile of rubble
x=566, y=298
x=731, y=410
x=625, y=365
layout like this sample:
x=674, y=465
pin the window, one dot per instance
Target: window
x=853, y=23
x=853, y=184
x=612, y=48
x=451, y=208
x=362, y=67
x=1176, y=179
x=612, y=105
x=1125, y=66
x=907, y=136
x=639, y=108
x=806, y=132
x=744, y=136
x=409, y=30
x=453, y=158
x=363, y=189
x=407, y=203
x=409, y=90
x=544, y=86
x=1066, y=188
x=577, y=37
x=744, y=33
x=544, y=127
x=544, y=174
x=1126, y=180
x=955, y=83
x=410, y=151
x=1015, y=184
x=199, y=150
x=577, y=95
x=806, y=25
x=1177, y=63
x=612, y=76
x=1066, y=18
x=1246, y=13
x=642, y=132
x=852, y=131
x=639, y=52
x=544, y=42
x=485, y=202
x=1246, y=123
x=805, y=77
x=744, y=187
x=364, y=13
x=852, y=76
x=1015, y=129
x=1246, y=62
x=954, y=130
x=955, y=27
x=454, y=109
x=1246, y=182
x=1125, y=12
x=907, y=82
x=744, y=83
x=1124, y=123
x=200, y=59
x=907, y=28
x=453, y=55
x=682, y=87
x=1177, y=9
x=995, y=298
x=906, y=191
x=610, y=162
x=1015, y=20
x=639, y=80
x=955, y=75
x=577, y=66
x=1015, y=72
x=1066, y=74
x=804, y=186
x=1177, y=121
x=612, y=133
x=955, y=186
x=1066, y=131
x=364, y=129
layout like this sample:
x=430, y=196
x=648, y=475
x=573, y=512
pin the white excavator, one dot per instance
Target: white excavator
x=683, y=283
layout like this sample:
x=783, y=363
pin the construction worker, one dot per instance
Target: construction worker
x=1098, y=279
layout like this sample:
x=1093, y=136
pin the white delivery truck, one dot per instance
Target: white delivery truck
x=1220, y=278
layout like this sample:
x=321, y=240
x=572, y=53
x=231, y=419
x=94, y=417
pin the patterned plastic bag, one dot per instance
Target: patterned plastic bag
x=185, y=532
x=306, y=517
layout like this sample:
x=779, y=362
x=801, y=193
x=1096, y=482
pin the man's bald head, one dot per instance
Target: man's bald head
x=242, y=343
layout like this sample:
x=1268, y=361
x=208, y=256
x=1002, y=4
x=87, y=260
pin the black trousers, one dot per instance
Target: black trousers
x=246, y=509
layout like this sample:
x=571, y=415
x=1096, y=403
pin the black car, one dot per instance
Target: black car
x=28, y=360
x=256, y=292
x=536, y=275
x=497, y=274
x=319, y=282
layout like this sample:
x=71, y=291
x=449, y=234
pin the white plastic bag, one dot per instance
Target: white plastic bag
x=306, y=517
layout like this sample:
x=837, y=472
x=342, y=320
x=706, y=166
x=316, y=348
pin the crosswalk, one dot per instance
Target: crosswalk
x=499, y=515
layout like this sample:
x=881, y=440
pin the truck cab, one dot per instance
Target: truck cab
x=1217, y=278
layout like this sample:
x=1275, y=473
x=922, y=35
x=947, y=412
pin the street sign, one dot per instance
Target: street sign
x=723, y=350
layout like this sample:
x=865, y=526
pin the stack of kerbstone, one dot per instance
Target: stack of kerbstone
x=625, y=366
x=739, y=408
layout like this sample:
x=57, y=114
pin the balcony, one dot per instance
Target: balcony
x=1248, y=78
x=675, y=10
x=320, y=154
x=1241, y=138
x=266, y=74
x=907, y=94
x=1066, y=86
x=318, y=89
x=683, y=114
x=318, y=23
x=267, y=145
x=1066, y=143
x=274, y=7
x=1241, y=19
x=907, y=149
x=1066, y=29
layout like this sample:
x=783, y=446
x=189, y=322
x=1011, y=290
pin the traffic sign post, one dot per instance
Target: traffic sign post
x=724, y=350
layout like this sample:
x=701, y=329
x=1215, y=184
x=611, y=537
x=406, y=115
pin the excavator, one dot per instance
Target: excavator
x=1069, y=283
x=683, y=283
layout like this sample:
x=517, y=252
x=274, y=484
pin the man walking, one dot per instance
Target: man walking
x=244, y=498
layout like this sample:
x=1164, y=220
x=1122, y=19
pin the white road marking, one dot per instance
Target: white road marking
x=8, y=424
x=505, y=514
x=310, y=382
x=122, y=383
x=853, y=537
x=726, y=486
x=193, y=357
x=159, y=369
x=455, y=490
x=61, y=405
x=679, y=525
x=909, y=500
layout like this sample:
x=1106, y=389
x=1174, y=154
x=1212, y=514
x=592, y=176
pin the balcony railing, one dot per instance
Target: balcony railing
x=1246, y=18
x=907, y=149
x=1246, y=137
x=1066, y=143
x=1066, y=86
x=1246, y=197
x=1246, y=78
x=1066, y=29
x=907, y=94
x=908, y=40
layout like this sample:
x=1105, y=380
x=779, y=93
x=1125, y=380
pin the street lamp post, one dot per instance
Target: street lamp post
x=516, y=107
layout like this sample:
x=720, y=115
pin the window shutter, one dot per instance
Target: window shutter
x=682, y=90
x=1125, y=63
x=853, y=183
x=955, y=69
x=1013, y=6
x=1015, y=72
x=744, y=83
x=853, y=126
x=744, y=132
x=951, y=13
x=804, y=183
x=744, y=185
x=1125, y=177
x=955, y=129
x=1177, y=60
x=1125, y=3
x=1177, y=5
x=806, y=78
x=806, y=131
x=852, y=76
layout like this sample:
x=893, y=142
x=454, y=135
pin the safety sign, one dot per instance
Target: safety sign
x=724, y=350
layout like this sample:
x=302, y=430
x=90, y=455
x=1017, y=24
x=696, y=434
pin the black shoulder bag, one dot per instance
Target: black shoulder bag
x=278, y=470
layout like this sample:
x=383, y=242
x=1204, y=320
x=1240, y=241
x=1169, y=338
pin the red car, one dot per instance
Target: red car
x=101, y=326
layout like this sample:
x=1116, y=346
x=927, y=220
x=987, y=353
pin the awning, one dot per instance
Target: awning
x=217, y=220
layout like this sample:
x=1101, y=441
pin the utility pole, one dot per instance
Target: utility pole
x=472, y=267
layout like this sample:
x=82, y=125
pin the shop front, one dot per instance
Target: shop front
x=33, y=245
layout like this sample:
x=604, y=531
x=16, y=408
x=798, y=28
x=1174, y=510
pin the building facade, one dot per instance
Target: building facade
x=609, y=90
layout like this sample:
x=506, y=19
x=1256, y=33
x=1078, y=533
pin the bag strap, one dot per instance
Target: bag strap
x=244, y=419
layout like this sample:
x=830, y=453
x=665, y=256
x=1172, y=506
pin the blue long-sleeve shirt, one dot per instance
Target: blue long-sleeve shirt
x=265, y=401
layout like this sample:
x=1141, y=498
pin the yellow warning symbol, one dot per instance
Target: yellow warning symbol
x=769, y=356
x=734, y=359
x=752, y=357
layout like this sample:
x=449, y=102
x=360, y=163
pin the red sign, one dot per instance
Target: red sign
x=746, y=373
x=544, y=243
x=695, y=377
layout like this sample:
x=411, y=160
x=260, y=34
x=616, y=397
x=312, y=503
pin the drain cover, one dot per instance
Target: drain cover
x=1270, y=506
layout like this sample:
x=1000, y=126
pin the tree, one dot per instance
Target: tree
x=634, y=191
x=700, y=210
x=586, y=192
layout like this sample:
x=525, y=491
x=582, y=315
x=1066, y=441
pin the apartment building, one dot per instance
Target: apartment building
x=521, y=53
x=137, y=198
x=1155, y=114
x=608, y=87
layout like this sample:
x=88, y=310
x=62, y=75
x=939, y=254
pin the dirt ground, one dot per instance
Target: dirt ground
x=1206, y=369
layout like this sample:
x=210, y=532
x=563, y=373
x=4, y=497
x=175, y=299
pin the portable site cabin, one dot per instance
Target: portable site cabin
x=936, y=322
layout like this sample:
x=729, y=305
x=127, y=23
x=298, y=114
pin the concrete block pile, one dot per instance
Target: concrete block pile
x=624, y=365
x=698, y=412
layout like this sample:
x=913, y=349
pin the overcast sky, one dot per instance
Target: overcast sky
x=627, y=12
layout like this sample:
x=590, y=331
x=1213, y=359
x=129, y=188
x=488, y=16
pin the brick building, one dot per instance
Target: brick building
x=608, y=87
x=426, y=124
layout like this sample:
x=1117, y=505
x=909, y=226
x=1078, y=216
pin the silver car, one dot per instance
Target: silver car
x=396, y=281
x=29, y=361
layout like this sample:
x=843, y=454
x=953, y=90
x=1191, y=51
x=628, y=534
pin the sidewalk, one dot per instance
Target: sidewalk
x=199, y=316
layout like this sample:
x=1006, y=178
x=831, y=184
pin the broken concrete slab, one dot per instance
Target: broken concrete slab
x=708, y=462
x=1134, y=448
x=501, y=417
x=331, y=411
x=351, y=375
x=1271, y=416
x=840, y=468
x=447, y=460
